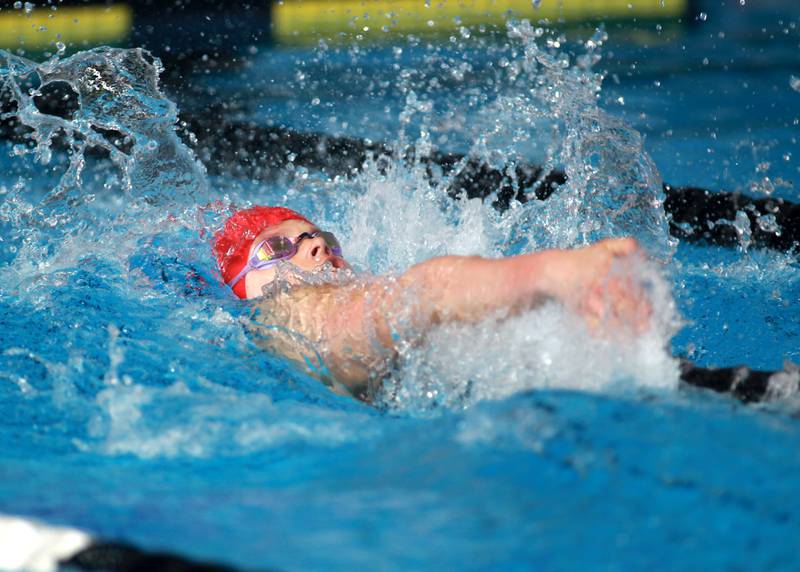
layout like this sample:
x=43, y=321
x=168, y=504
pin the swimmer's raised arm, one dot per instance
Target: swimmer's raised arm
x=469, y=289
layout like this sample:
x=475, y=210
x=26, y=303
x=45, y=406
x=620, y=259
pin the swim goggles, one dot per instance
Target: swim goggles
x=276, y=248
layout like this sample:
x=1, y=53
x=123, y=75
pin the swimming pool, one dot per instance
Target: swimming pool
x=134, y=405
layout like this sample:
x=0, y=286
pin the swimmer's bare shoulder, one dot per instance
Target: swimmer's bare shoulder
x=357, y=328
x=332, y=329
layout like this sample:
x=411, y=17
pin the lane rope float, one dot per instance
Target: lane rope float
x=27, y=545
x=696, y=214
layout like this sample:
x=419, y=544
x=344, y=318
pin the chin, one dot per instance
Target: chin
x=326, y=266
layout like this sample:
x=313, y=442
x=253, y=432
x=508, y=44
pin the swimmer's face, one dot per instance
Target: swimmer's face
x=312, y=253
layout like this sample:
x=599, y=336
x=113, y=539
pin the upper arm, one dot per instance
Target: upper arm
x=471, y=288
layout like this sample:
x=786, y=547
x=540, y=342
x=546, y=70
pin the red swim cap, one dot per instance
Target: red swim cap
x=232, y=243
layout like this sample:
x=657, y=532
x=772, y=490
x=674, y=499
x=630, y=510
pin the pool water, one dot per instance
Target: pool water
x=136, y=407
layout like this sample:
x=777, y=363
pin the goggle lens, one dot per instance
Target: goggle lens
x=274, y=248
x=332, y=242
x=279, y=247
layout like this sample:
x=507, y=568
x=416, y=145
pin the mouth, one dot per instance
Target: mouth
x=334, y=263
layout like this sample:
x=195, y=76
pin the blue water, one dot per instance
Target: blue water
x=135, y=406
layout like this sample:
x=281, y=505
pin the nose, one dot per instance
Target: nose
x=319, y=248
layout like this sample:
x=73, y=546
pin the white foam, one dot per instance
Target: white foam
x=399, y=220
x=526, y=427
x=784, y=385
x=28, y=546
x=178, y=421
x=546, y=348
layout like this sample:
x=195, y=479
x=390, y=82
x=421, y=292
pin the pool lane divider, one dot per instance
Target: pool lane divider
x=256, y=151
x=696, y=214
x=30, y=546
x=41, y=28
x=301, y=21
x=204, y=26
x=745, y=384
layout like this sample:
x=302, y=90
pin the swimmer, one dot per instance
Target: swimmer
x=356, y=327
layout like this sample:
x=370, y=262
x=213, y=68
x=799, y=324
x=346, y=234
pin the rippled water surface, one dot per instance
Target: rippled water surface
x=135, y=405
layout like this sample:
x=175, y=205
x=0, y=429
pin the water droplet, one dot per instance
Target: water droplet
x=794, y=81
x=742, y=2
x=768, y=223
x=742, y=227
x=536, y=4
x=29, y=7
x=60, y=47
x=17, y=5
x=703, y=16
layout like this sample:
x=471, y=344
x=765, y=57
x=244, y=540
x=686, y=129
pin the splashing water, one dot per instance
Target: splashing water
x=460, y=366
x=402, y=215
x=545, y=105
x=121, y=111
x=613, y=187
x=120, y=117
